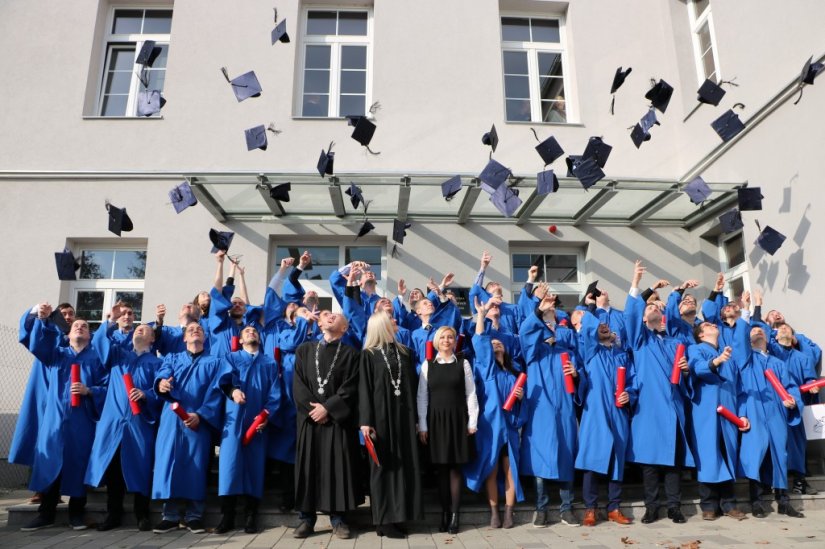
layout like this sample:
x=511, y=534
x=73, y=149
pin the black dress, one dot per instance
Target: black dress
x=395, y=486
x=447, y=414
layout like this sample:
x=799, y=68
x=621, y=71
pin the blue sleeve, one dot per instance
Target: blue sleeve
x=589, y=335
x=701, y=365
x=532, y=335
x=485, y=362
x=293, y=291
x=672, y=316
x=527, y=303
x=43, y=342
x=710, y=311
x=354, y=312
x=26, y=325
x=274, y=308
x=481, y=293
x=399, y=311
x=630, y=383
x=219, y=307
x=102, y=344
x=741, y=343
x=810, y=349
x=290, y=339
x=337, y=283
x=634, y=311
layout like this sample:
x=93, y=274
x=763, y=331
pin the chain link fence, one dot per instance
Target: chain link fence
x=15, y=365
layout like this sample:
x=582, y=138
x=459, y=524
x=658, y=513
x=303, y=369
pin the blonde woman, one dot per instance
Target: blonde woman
x=447, y=417
x=387, y=415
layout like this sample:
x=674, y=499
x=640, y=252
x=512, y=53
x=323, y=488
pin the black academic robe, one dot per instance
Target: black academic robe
x=326, y=455
x=395, y=486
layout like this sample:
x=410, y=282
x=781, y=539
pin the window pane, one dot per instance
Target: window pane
x=352, y=105
x=353, y=81
x=370, y=254
x=518, y=110
x=515, y=29
x=553, y=111
x=551, y=88
x=118, y=82
x=515, y=62
x=545, y=30
x=561, y=268
x=89, y=307
x=114, y=105
x=550, y=64
x=736, y=287
x=317, y=57
x=130, y=264
x=704, y=38
x=157, y=22
x=516, y=87
x=735, y=251
x=156, y=79
x=354, y=57
x=324, y=260
x=321, y=22
x=160, y=61
x=352, y=23
x=316, y=81
x=568, y=302
x=315, y=105
x=708, y=66
x=699, y=6
x=127, y=22
x=96, y=264
x=135, y=299
x=521, y=264
x=121, y=59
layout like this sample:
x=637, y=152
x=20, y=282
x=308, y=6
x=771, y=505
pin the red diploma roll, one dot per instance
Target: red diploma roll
x=777, y=385
x=511, y=399
x=371, y=450
x=569, y=386
x=811, y=384
x=178, y=409
x=130, y=384
x=459, y=344
x=277, y=355
x=236, y=343
x=621, y=380
x=75, y=379
x=253, y=429
x=430, y=351
x=563, y=322
x=730, y=416
x=676, y=373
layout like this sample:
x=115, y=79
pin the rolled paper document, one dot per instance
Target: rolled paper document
x=277, y=355
x=511, y=399
x=178, y=409
x=75, y=379
x=430, y=350
x=371, y=450
x=569, y=386
x=563, y=322
x=621, y=380
x=459, y=344
x=130, y=384
x=777, y=385
x=811, y=384
x=253, y=429
x=236, y=343
x=676, y=373
x=730, y=416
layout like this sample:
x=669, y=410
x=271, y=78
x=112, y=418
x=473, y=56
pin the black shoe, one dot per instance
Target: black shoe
x=251, y=526
x=77, y=523
x=651, y=515
x=401, y=528
x=303, y=530
x=196, y=526
x=453, y=529
x=390, y=531
x=38, y=523
x=757, y=510
x=109, y=523
x=143, y=524
x=802, y=487
x=445, y=521
x=676, y=516
x=165, y=526
x=786, y=509
x=342, y=531
x=226, y=524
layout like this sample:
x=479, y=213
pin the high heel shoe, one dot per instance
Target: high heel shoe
x=453, y=529
x=445, y=521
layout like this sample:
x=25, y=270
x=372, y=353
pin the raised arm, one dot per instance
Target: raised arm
x=218, y=283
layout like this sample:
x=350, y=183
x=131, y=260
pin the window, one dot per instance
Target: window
x=563, y=270
x=336, y=60
x=109, y=275
x=704, y=45
x=733, y=264
x=122, y=80
x=534, y=75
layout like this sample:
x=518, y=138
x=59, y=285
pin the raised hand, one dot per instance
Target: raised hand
x=638, y=272
x=160, y=312
x=287, y=262
x=43, y=310
x=661, y=283
x=402, y=287
x=305, y=260
x=447, y=280
x=720, y=282
x=532, y=274
x=485, y=260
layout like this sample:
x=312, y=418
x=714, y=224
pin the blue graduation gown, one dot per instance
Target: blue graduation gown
x=222, y=327
x=65, y=436
x=675, y=325
x=604, y=433
x=801, y=371
x=405, y=318
x=549, y=439
x=118, y=428
x=658, y=415
x=181, y=454
x=496, y=426
x=241, y=468
x=615, y=319
x=510, y=314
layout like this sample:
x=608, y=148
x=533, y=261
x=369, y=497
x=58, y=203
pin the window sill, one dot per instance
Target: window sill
x=525, y=123
x=86, y=117
x=335, y=118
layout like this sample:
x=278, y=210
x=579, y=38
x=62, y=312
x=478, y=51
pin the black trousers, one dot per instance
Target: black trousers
x=716, y=495
x=673, y=477
x=757, y=488
x=590, y=491
x=50, y=498
x=229, y=503
x=116, y=491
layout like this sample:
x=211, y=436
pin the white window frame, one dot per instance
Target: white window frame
x=335, y=42
x=733, y=272
x=576, y=288
x=533, y=49
x=113, y=41
x=697, y=21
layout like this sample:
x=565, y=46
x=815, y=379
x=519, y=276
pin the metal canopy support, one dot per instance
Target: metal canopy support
x=404, y=198
x=206, y=199
x=662, y=200
x=469, y=201
x=336, y=198
x=604, y=196
x=533, y=201
x=274, y=206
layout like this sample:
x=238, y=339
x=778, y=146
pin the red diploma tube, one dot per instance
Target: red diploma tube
x=75, y=379
x=130, y=384
x=178, y=409
x=563, y=322
x=430, y=351
x=730, y=416
x=371, y=450
x=459, y=344
x=621, y=380
x=777, y=385
x=811, y=384
x=511, y=399
x=277, y=355
x=253, y=429
x=676, y=373
x=569, y=386
x=236, y=343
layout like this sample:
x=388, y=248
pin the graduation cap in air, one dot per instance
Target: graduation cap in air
x=598, y=150
x=493, y=175
x=221, y=240
x=149, y=102
x=641, y=131
x=245, y=85
x=810, y=70
x=588, y=172
x=750, y=198
x=118, y=219
x=546, y=182
x=182, y=197
x=491, y=138
x=549, y=150
x=148, y=53
x=366, y=227
x=728, y=125
x=280, y=192
x=506, y=200
x=451, y=187
x=279, y=33
x=363, y=132
x=659, y=95
x=731, y=221
x=697, y=190
x=710, y=93
x=256, y=138
x=325, y=161
x=770, y=239
x=572, y=161
x=618, y=80
x=593, y=290
x=399, y=230
x=57, y=319
x=66, y=264
x=355, y=196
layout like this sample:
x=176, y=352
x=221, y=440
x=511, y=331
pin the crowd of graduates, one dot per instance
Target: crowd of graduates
x=518, y=390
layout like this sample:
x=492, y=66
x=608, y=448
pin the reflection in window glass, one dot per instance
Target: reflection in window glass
x=352, y=23
x=89, y=307
x=96, y=264
x=369, y=254
x=515, y=29
x=553, y=268
x=113, y=264
x=735, y=251
x=134, y=299
x=545, y=30
x=321, y=22
x=130, y=264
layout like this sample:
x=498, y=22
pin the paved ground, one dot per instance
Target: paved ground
x=775, y=531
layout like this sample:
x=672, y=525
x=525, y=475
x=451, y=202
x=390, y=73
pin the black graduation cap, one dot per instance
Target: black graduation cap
x=588, y=172
x=256, y=138
x=598, y=150
x=280, y=192
x=325, y=161
x=546, y=182
x=57, y=319
x=619, y=78
x=697, y=190
x=750, y=198
x=572, y=161
x=659, y=95
x=279, y=33
x=149, y=102
x=355, y=196
x=593, y=290
x=118, y=219
x=399, y=230
x=710, y=93
x=770, y=239
x=182, y=197
x=148, y=53
x=731, y=221
x=451, y=187
x=245, y=85
x=549, y=150
x=810, y=71
x=364, y=130
x=649, y=120
x=66, y=264
x=639, y=136
x=493, y=175
x=728, y=125
x=365, y=228
x=221, y=240
x=491, y=138
x=506, y=200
